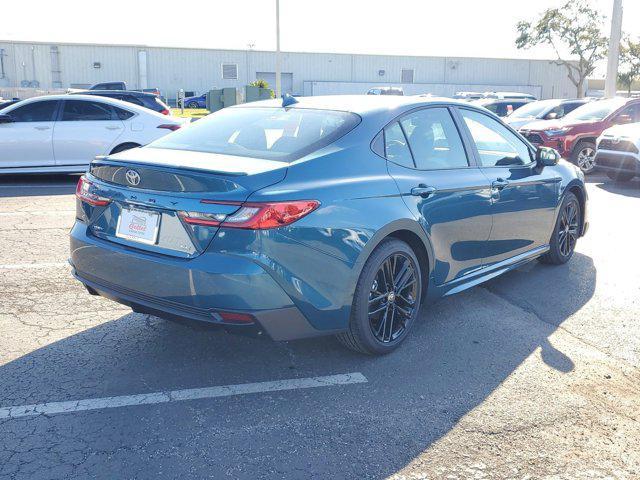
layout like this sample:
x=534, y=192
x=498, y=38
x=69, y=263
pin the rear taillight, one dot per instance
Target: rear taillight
x=83, y=193
x=165, y=112
x=255, y=216
x=169, y=126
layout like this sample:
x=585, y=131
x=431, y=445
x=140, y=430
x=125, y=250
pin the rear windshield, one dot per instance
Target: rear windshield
x=270, y=133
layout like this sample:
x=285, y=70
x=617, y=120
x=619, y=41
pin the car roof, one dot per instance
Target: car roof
x=360, y=104
x=112, y=101
x=135, y=93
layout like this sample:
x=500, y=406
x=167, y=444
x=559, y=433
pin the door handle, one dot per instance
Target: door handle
x=499, y=184
x=42, y=128
x=423, y=191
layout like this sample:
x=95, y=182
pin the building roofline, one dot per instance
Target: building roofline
x=348, y=54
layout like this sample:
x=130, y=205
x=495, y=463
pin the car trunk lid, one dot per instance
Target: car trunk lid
x=150, y=189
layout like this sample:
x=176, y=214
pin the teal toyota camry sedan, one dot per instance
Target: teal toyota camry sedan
x=340, y=215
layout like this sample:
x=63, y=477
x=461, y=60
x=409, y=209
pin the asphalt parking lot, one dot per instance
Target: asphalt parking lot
x=535, y=374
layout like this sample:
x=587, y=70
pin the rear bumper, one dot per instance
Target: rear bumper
x=193, y=290
x=619, y=162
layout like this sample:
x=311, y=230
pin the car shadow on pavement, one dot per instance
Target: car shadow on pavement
x=37, y=185
x=629, y=189
x=464, y=349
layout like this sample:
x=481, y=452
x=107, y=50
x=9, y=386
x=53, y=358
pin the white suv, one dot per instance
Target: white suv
x=618, y=153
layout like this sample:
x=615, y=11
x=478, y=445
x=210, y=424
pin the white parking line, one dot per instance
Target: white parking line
x=19, y=266
x=178, y=395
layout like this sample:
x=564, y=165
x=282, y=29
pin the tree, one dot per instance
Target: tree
x=630, y=63
x=575, y=29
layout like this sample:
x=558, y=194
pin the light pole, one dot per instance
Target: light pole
x=278, y=84
x=610, y=85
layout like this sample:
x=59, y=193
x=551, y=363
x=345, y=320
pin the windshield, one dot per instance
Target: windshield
x=534, y=109
x=596, y=111
x=270, y=133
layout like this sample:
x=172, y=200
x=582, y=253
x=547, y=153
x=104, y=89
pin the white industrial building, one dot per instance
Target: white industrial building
x=35, y=66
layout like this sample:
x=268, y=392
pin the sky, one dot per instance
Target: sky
x=410, y=27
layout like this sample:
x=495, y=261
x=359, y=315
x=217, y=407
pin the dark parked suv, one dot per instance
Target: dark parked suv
x=148, y=100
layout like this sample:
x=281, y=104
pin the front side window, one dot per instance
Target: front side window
x=86, y=111
x=496, y=144
x=396, y=148
x=434, y=139
x=633, y=111
x=282, y=134
x=35, y=112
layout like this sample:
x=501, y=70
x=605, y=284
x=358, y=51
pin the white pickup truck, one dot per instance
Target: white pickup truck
x=618, y=153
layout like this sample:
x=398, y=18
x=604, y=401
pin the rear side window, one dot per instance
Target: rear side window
x=35, y=112
x=434, y=139
x=396, y=147
x=496, y=144
x=86, y=111
x=282, y=134
x=122, y=114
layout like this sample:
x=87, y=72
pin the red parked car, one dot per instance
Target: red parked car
x=574, y=136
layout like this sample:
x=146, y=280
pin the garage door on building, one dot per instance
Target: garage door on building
x=270, y=78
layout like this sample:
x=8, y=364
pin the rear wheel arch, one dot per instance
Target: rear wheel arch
x=412, y=234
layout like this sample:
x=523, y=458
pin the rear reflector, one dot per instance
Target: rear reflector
x=83, y=193
x=165, y=112
x=237, y=318
x=254, y=216
x=169, y=126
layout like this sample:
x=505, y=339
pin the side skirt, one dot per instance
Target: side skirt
x=486, y=273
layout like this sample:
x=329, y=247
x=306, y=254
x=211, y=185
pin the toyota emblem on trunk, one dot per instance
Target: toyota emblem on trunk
x=133, y=177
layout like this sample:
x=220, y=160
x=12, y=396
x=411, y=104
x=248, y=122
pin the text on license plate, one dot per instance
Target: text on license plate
x=138, y=225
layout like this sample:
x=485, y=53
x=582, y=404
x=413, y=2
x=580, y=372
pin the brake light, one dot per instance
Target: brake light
x=169, y=126
x=254, y=216
x=82, y=192
x=165, y=112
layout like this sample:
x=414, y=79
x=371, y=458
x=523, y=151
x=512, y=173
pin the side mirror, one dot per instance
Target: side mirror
x=547, y=157
x=6, y=119
x=622, y=119
x=551, y=116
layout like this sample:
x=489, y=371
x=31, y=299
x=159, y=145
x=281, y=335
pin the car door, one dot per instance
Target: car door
x=523, y=195
x=444, y=190
x=85, y=128
x=27, y=141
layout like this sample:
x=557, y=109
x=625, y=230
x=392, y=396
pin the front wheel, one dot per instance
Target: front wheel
x=386, y=301
x=584, y=156
x=193, y=105
x=566, y=232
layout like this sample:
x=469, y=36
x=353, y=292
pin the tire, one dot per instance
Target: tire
x=193, y=105
x=584, y=156
x=381, y=314
x=620, y=176
x=123, y=147
x=568, y=225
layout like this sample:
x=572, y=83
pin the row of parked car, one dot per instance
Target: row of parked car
x=603, y=134
x=588, y=132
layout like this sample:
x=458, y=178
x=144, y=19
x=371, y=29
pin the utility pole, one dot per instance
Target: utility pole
x=610, y=86
x=278, y=84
